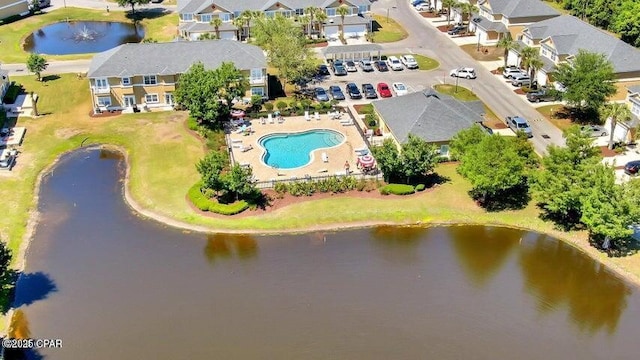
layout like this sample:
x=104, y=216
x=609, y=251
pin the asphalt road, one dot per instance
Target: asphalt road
x=426, y=40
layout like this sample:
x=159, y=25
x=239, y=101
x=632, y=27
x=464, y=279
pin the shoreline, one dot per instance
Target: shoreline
x=34, y=216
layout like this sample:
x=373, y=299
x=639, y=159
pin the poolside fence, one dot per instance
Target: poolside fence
x=272, y=183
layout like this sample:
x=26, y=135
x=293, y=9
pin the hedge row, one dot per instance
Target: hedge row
x=332, y=184
x=398, y=189
x=203, y=203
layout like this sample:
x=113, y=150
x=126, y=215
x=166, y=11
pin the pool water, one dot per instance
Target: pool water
x=293, y=150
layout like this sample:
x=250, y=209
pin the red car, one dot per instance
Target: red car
x=383, y=90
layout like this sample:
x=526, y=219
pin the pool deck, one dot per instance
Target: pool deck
x=337, y=156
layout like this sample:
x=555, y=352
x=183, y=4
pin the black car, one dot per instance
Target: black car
x=339, y=70
x=352, y=90
x=323, y=70
x=632, y=167
x=369, y=91
x=336, y=92
x=456, y=30
x=381, y=65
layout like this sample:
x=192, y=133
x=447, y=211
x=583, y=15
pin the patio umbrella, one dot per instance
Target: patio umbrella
x=367, y=161
x=237, y=114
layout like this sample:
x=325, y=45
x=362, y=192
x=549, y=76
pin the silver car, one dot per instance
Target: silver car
x=366, y=65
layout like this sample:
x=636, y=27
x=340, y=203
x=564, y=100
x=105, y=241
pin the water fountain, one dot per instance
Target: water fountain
x=79, y=37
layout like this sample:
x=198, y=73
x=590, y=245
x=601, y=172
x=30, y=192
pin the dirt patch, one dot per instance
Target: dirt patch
x=444, y=28
x=606, y=152
x=519, y=91
x=66, y=133
x=494, y=124
x=318, y=45
x=483, y=53
x=428, y=14
x=105, y=113
x=496, y=72
x=360, y=109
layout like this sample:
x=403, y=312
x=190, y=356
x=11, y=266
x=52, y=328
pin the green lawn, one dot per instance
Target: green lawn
x=386, y=30
x=424, y=63
x=162, y=28
x=458, y=92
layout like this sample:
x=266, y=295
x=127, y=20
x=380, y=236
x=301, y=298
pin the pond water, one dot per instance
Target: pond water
x=79, y=37
x=112, y=285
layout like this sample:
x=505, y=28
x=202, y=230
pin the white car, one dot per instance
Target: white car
x=422, y=7
x=394, y=63
x=464, y=72
x=409, y=61
x=400, y=88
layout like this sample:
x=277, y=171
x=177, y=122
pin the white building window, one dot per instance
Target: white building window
x=205, y=18
x=331, y=12
x=363, y=9
x=151, y=98
x=102, y=83
x=104, y=101
x=299, y=11
x=635, y=109
x=444, y=150
x=187, y=17
x=126, y=81
x=168, y=98
x=226, y=17
x=256, y=74
x=257, y=91
x=150, y=79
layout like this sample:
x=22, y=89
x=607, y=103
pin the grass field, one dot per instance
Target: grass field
x=386, y=30
x=162, y=27
x=424, y=63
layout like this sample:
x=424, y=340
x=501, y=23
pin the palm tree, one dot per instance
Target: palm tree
x=526, y=54
x=247, y=16
x=239, y=24
x=304, y=20
x=216, y=22
x=534, y=64
x=342, y=10
x=467, y=9
x=507, y=43
x=615, y=112
x=310, y=12
x=321, y=17
x=449, y=4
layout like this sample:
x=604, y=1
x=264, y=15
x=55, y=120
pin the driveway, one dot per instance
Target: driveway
x=426, y=40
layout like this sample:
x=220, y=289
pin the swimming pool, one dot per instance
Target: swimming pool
x=293, y=150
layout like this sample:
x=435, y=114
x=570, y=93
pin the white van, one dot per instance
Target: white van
x=394, y=63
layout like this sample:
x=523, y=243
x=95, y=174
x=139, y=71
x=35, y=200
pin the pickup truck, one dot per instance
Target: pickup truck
x=517, y=123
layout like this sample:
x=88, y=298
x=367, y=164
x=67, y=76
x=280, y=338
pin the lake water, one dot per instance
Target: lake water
x=80, y=37
x=114, y=286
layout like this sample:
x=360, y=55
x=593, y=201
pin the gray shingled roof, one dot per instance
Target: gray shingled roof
x=521, y=8
x=569, y=34
x=174, y=57
x=489, y=25
x=195, y=6
x=349, y=20
x=342, y=49
x=430, y=115
x=635, y=89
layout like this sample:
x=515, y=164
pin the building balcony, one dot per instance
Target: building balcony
x=101, y=90
x=258, y=80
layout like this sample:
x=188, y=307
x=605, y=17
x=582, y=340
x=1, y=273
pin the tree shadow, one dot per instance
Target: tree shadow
x=618, y=248
x=259, y=200
x=224, y=246
x=146, y=14
x=375, y=26
x=515, y=198
x=577, y=115
x=434, y=179
x=564, y=222
x=276, y=89
x=50, y=78
x=33, y=287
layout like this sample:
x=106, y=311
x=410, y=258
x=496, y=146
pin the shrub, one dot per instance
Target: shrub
x=362, y=184
x=281, y=105
x=203, y=203
x=12, y=93
x=268, y=106
x=306, y=103
x=420, y=187
x=397, y=189
x=192, y=124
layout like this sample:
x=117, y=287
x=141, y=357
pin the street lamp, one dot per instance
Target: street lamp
x=393, y=7
x=456, y=89
x=478, y=32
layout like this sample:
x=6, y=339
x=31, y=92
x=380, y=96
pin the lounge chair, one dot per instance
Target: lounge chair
x=346, y=122
x=362, y=151
x=280, y=119
x=306, y=116
x=263, y=121
x=316, y=115
x=246, y=148
x=237, y=146
x=323, y=170
x=325, y=157
x=270, y=116
x=236, y=140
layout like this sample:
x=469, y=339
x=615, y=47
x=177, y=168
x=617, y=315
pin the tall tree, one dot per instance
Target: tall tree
x=210, y=169
x=418, y=158
x=507, y=43
x=7, y=280
x=614, y=112
x=526, y=55
x=343, y=11
x=321, y=17
x=132, y=3
x=534, y=64
x=464, y=140
x=248, y=16
x=564, y=179
x=284, y=43
x=388, y=158
x=37, y=64
x=208, y=94
x=239, y=24
x=304, y=21
x=626, y=22
x=449, y=4
x=237, y=181
x=216, y=22
x=311, y=12
x=467, y=9
x=588, y=78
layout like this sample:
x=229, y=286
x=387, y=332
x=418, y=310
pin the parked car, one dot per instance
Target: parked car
x=352, y=90
x=542, y=95
x=409, y=61
x=632, y=167
x=464, y=72
x=350, y=66
x=517, y=123
x=415, y=3
x=510, y=72
x=369, y=91
x=339, y=70
x=323, y=70
x=321, y=94
x=383, y=90
x=381, y=66
x=394, y=63
x=366, y=65
x=422, y=7
x=400, y=88
x=522, y=80
x=594, y=130
x=336, y=92
x=8, y=162
x=457, y=30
